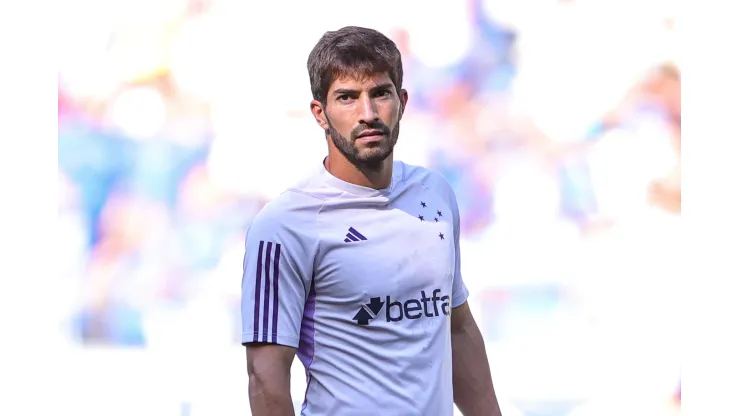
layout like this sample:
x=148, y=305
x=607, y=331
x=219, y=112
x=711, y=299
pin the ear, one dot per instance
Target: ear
x=404, y=99
x=318, y=113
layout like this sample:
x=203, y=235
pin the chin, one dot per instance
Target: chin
x=375, y=155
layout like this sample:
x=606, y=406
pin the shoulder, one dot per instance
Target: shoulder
x=290, y=217
x=297, y=207
x=429, y=178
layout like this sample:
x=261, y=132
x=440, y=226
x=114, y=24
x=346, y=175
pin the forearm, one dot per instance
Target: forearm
x=471, y=375
x=270, y=396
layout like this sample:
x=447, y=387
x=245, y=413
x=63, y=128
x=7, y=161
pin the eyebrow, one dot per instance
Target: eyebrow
x=349, y=91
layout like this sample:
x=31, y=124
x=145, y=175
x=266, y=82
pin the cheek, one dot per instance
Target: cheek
x=338, y=122
x=342, y=126
x=345, y=129
x=391, y=115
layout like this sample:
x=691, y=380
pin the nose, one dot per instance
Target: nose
x=367, y=111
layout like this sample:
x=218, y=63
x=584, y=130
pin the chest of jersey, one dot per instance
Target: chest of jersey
x=395, y=257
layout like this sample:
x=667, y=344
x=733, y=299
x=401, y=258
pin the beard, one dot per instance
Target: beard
x=372, y=156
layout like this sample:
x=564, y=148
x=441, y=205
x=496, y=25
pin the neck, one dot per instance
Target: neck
x=376, y=177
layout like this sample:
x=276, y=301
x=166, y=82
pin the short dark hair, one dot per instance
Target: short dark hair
x=352, y=51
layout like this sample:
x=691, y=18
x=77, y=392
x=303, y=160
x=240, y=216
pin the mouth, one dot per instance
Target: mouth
x=371, y=136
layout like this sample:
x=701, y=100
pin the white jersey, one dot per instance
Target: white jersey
x=362, y=283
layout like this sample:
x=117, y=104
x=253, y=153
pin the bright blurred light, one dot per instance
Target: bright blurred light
x=440, y=33
x=140, y=112
x=197, y=57
x=256, y=142
x=515, y=13
x=625, y=162
x=84, y=70
x=526, y=191
x=577, y=62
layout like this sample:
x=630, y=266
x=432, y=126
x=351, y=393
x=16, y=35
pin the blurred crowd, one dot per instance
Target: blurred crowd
x=557, y=122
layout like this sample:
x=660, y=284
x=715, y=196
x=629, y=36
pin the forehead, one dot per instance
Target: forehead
x=362, y=82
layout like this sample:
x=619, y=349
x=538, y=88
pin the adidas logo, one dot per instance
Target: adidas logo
x=354, y=235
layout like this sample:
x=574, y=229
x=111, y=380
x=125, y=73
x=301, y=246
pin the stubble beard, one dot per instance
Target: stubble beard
x=371, y=158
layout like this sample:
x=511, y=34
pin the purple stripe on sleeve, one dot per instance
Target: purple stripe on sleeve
x=308, y=328
x=266, y=309
x=257, y=293
x=306, y=345
x=275, y=287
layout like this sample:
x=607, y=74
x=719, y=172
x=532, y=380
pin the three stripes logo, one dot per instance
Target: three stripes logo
x=267, y=286
x=354, y=235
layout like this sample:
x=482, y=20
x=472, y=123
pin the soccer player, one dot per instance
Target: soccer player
x=357, y=270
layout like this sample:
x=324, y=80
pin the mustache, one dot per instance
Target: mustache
x=377, y=125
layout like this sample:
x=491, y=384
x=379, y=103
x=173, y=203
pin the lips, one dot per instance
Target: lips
x=368, y=133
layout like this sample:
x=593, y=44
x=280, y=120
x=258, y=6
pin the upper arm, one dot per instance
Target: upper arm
x=278, y=267
x=269, y=360
x=461, y=317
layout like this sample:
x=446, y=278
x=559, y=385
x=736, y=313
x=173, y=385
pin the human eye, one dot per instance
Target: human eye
x=344, y=98
x=383, y=93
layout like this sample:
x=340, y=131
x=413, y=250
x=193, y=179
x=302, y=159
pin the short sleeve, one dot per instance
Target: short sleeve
x=278, y=266
x=459, y=290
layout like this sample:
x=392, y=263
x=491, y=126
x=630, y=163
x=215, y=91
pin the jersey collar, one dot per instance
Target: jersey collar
x=362, y=190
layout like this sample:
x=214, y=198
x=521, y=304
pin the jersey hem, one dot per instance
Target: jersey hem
x=460, y=299
x=285, y=340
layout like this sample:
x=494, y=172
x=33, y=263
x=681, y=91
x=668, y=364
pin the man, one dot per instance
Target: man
x=357, y=270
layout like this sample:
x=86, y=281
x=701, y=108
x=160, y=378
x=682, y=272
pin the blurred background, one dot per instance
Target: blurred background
x=557, y=122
